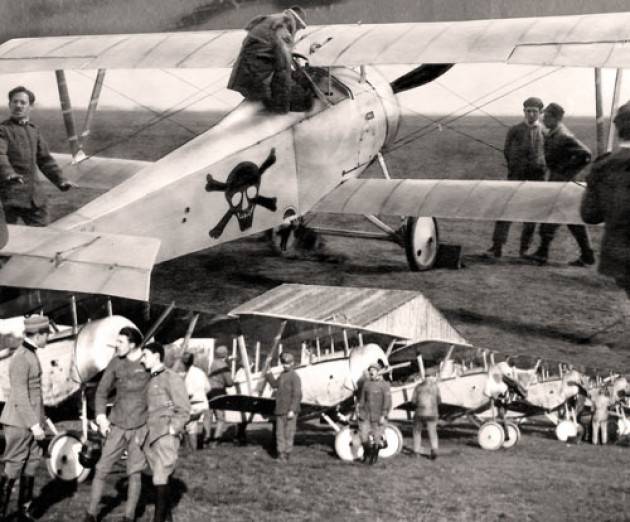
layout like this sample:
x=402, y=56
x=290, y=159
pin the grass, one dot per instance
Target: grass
x=507, y=306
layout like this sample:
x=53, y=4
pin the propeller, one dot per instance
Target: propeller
x=425, y=73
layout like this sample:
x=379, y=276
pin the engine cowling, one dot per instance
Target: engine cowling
x=95, y=345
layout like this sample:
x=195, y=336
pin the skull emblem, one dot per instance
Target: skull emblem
x=241, y=191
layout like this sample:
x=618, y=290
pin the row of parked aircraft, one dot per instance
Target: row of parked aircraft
x=332, y=361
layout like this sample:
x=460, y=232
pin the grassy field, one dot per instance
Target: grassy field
x=507, y=306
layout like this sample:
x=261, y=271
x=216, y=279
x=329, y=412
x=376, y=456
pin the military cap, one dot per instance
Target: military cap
x=622, y=118
x=298, y=14
x=221, y=352
x=188, y=358
x=286, y=358
x=35, y=323
x=533, y=101
x=555, y=110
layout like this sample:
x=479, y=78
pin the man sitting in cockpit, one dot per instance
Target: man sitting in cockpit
x=263, y=70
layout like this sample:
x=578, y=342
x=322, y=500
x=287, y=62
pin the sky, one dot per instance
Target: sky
x=497, y=89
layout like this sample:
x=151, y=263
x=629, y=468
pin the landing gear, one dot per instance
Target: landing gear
x=294, y=238
x=491, y=436
x=63, y=463
x=566, y=429
x=348, y=444
x=514, y=435
x=421, y=239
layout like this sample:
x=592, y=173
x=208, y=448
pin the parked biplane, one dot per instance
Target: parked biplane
x=255, y=170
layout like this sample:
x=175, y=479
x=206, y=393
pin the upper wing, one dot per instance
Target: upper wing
x=599, y=40
x=534, y=201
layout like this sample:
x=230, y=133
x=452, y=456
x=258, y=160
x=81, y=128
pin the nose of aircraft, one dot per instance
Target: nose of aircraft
x=362, y=357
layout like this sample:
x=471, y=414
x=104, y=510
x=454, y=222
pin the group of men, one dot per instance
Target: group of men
x=150, y=410
x=530, y=152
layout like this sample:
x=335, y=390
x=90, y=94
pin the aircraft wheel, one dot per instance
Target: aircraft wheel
x=565, y=430
x=491, y=436
x=421, y=243
x=63, y=462
x=515, y=435
x=394, y=440
x=348, y=445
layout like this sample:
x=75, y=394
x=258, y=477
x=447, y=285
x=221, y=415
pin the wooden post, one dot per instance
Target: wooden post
x=599, y=113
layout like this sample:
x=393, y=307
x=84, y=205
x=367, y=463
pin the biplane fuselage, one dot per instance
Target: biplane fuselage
x=314, y=152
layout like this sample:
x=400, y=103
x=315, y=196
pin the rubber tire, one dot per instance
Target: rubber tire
x=565, y=430
x=417, y=229
x=491, y=436
x=515, y=435
x=66, y=445
x=394, y=439
x=348, y=445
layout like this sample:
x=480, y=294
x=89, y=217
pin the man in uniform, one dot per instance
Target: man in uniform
x=220, y=378
x=126, y=423
x=607, y=200
x=525, y=157
x=288, y=399
x=375, y=401
x=22, y=150
x=262, y=71
x=565, y=156
x=197, y=386
x=23, y=419
x=426, y=398
x=168, y=413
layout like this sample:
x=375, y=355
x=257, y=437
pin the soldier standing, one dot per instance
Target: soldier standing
x=375, y=401
x=426, y=397
x=168, y=413
x=565, y=156
x=607, y=200
x=288, y=399
x=525, y=157
x=23, y=419
x=197, y=386
x=126, y=423
x=220, y=379
x=22, y=150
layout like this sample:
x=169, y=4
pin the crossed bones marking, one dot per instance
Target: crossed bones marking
x=241, y=191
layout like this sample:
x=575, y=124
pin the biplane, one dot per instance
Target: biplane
x=256, y=171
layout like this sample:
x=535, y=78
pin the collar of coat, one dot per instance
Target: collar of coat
x=28, y=344
x=157, y=372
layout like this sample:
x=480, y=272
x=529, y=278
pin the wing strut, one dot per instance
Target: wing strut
x=96, y=93
x=613, y=109
x=68, y=117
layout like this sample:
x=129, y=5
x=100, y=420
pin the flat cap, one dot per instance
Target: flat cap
x=35, y=323
x=555, y=110
x=286, y=358
x=533, y=101
x=221, y=352
x=622, y=118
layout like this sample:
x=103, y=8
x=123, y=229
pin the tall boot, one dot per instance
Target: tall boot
x=162, y=504
x=542, y=253
x=25, y=499
x=6, y=486
x=374, y=452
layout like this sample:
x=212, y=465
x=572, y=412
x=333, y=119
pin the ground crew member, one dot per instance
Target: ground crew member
x=220, y=379
x=525, y=157
x=126, y=423
x=497, y=391
x=600, y=402
x=198, y=387
x=565, y=156
x=426, y=398
x=288, y=399
x=607, y=200
x=375, y=401
x=168, y=413
x=23, y=419
x=22, y=150
x=262, y=71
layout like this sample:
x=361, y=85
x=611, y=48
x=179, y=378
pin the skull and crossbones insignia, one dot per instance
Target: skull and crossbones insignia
x=241, y=191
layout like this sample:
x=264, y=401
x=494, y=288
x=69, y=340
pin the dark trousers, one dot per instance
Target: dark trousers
x=547, y=232
x=33, y=216
x=502, y=229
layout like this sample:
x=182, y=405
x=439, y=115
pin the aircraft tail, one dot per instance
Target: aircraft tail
x=89, y=262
